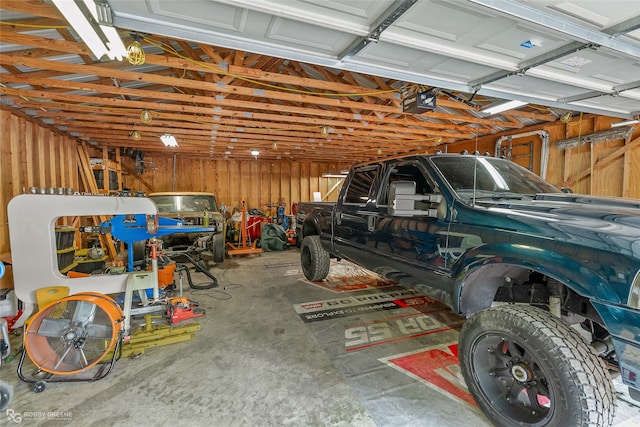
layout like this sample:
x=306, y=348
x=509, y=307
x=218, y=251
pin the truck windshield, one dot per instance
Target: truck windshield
x=494, y=178
x=185, y=203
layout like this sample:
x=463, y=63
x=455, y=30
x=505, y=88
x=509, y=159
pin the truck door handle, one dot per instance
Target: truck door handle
x=371, y=222
x=338, y=218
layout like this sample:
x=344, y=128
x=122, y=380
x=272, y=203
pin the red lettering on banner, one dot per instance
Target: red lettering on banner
x=414, y=301
x=311, y=306
x=438, y=367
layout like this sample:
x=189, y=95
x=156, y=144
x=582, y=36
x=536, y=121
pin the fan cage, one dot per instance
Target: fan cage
x=73, y=334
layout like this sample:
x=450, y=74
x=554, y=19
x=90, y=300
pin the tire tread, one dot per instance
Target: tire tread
x=591, y=380
x=317, y=267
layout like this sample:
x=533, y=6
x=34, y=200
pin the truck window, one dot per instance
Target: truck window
x=358, y=190
x=406, y=172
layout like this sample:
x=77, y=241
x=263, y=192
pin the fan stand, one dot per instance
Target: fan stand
x=40, y=378
x=242, y=248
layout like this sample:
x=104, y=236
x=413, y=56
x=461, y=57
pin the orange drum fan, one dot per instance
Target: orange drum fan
x=71, y=336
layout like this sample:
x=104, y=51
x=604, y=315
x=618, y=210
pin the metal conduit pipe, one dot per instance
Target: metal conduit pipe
x=544, y=137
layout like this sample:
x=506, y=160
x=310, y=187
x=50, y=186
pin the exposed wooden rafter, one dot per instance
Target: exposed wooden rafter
x=219, y=102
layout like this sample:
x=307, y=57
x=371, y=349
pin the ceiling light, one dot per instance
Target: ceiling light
x=145, y=116
x=503, y=106
x=274, y=145
x=135, y=53
x=628, y=122
x=169, y=140
x=135, y=135
x=566, y=117
x=255, y=153
x=324, y=130
x=92, y=21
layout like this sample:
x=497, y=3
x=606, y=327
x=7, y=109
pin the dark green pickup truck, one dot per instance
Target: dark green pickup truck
x=549, y=281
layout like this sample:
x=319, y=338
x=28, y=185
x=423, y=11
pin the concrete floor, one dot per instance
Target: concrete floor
x=258, y=362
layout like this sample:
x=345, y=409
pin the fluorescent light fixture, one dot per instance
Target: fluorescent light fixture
x=504, y=106
x=628, y=122
x=92, y=21
x=169, y=140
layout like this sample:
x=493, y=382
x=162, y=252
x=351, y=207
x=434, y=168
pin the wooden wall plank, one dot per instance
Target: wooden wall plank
x=314, y=179
x=222, y=168
x=22, y=154
x=295, y=184
x=304, y=177
x=41, y=156
x=50, y=163
x=265, y=185
x=631, y=175
x=285, y=187
x=29, y=138
x=276, y=194
x=14, y=155
x=609, y=179
x=235, y=193
x=6, y=192
x=210, y=182
x=64, y=163
x=254, y=183
x=323, y=184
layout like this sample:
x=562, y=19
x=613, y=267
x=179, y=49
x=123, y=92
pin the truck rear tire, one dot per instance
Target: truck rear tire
x=523, y=366
x=314, y=259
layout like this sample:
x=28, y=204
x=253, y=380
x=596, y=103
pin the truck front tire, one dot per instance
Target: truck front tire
x=523, y=366
x=314, y=259
x=218, y=248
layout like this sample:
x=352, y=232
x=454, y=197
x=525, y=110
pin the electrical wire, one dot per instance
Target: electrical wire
x=218, y=70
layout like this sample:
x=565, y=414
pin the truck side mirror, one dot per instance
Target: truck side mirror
x=403, y=198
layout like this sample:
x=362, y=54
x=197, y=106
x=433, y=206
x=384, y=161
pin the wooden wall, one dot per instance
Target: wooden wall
x=35, y=156
x=260, y=183
x=610, y=168
x=31, y=156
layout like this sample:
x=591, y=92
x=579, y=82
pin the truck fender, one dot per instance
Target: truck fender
x=479, y=272
x=310, y=226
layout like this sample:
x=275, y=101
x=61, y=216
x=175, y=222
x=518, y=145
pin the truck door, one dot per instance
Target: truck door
x=409, y=240
x=353, y=215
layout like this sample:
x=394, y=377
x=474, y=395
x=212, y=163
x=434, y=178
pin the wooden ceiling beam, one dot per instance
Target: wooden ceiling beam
x=213, y=101
x=33, y=7
x=253, y=73
x=134, y=76
x=175, y=62
x=84, y=124
x=202, y=147
x=213, y=111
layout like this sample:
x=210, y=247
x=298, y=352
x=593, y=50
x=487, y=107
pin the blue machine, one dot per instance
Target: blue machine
x=138, y=227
